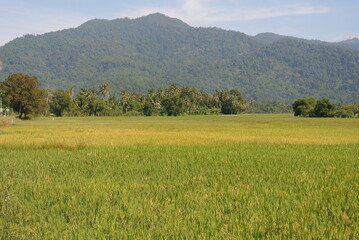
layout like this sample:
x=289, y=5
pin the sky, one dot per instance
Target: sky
x=327, y=20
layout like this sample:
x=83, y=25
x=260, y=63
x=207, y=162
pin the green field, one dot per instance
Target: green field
x=196, y=177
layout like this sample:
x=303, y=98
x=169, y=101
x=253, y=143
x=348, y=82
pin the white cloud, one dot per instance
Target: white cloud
x=212, y=11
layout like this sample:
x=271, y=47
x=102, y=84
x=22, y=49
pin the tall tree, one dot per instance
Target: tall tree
x=124, y=100
x=324, y=108
x=24, y=95
x=173, y=105
x=105, y=89
x=231, y=102
x=59, y=102
x=304, y=107
x=71, y=92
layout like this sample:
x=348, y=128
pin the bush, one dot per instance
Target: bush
x=304, y=107
x=353, y=108
x=173, y=105
x=148, y=108
x=324, y=108
x=28, y=116
x=74, y=113
x=109, y=113
x=207, y=111
x=133, y=113
x=311, y=107
x=344, y=113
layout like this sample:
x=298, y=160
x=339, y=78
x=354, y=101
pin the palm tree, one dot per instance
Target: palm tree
x=105, y=89
x=71, y=92
x=124, y=100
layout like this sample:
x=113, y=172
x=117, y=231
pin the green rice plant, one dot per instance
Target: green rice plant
x=185, y=183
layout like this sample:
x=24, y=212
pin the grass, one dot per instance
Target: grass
x=214, y=177
x=3, y=121
x=193, y=130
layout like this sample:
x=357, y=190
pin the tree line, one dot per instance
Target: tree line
x=312, y=107
x=23, y=94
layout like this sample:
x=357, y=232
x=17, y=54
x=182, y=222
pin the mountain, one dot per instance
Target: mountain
x=350, y=44
x=156, y=50
x=268, y=38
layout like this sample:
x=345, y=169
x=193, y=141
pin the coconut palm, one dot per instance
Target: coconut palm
x=105, y=89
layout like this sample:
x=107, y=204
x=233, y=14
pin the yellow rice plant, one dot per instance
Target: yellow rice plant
x=181, y=131
x=3, y=122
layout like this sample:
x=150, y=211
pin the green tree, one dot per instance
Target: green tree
x=24, y=95
x=4, y=99
x=324, y=108
x=134, y=105
x=353, y=108
x=82, y=99
x=231, y=102
x=173, y=105
x=87, y=100
x=148, y=108
x=304, y=107
x=124, y=100
x=60, y=102
x=105, y=89
x=343, y=113
x=94, y=104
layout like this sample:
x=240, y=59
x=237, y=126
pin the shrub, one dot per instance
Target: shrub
x=343, y=113
x=207, y=111
x=324, y=108
x=133, y=113
x=28, y=117
x=304, y=107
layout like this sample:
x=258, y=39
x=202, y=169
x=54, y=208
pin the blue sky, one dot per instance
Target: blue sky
x=329, y=20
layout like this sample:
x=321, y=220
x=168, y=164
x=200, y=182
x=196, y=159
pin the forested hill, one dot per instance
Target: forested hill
x=350, y=44
x=267, y=38
x=154, y=51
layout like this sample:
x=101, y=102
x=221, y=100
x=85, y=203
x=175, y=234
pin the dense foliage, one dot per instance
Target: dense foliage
x=350, y=44
x=156, y=51
x=170, y=101
x=311, y=107
x=268, y=38
x=60, y=102
x=23, y=94
x=269, y=107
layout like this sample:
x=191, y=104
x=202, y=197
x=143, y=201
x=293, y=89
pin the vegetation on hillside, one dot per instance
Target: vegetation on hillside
x=268, y=38
x=155, y=51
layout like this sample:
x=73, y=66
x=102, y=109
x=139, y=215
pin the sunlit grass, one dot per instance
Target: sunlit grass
x=200, y=130
x=3, y=122
x=202, y=177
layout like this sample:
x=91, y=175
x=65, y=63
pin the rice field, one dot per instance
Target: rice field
x=195, y=177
